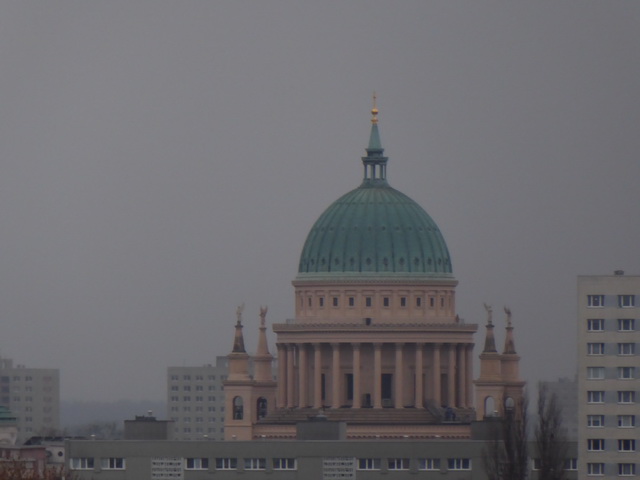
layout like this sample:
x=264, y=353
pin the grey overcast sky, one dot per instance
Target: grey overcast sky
x=161, y=162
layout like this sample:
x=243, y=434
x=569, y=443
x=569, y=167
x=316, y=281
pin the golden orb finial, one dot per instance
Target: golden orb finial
x=374, y=110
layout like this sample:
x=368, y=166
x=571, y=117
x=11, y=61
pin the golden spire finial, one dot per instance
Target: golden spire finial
x=374, y=110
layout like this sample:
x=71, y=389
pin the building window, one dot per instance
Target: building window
x=595, y=468
x=626, y=324
x=403, y=301
x=595, y=421
x=398, y=463
x=255, y=463
x=432, y=302
x=626, y=396
x=284, y=463
x=367, y=301
x=626, y=349
x=335, y=301
x=626, y=469
x=81, y=463
x=595, y=348
x=626, y=421
x=571, y=464
x=595, y=396
x=595, y=373
x=626, y=445
x=321, y=301
x=429, y=464
x=418, y=301
x=261, y=407
x=368, y=464
x=386, y=301
x=112, y=463
x=626, y=301
x=626, y=373
x=238, y=408
x=595, y=444
x=309, y=301
x=226, y=463
x=595, y=300
x=352, y=301
x=595, y=325
x=459, y=463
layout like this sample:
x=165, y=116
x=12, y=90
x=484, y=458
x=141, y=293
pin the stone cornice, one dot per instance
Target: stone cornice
x=377, y=327
x=360, y=279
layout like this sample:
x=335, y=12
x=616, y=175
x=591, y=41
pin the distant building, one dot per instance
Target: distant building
x=148, y=427
x=566, y=391
x=33, y=397
x=195, y=401
x=608, y=373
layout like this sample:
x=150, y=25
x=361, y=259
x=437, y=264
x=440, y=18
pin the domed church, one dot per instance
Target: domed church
x=376, y=341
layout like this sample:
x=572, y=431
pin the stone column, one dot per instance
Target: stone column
x=419, y=399
x=335, y=376
x=377, y=375
x=282, y=375
x=399, y=383
x=303, y=381
x=317, y=375
x=451, y=376
x=290, y=376
x=437, y=389
x=460, y=376
x=357, y=401
x=469, y=376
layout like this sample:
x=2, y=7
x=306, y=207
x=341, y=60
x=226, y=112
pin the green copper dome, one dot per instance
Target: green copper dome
x=374, y=230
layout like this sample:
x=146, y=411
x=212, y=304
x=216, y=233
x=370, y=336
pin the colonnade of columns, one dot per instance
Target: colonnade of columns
x=357, y=375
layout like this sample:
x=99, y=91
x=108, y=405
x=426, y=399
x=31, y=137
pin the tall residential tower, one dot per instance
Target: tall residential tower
x=608, y=372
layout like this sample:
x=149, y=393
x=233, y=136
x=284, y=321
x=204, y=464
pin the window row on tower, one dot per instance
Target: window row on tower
x=620, y=301
x=319, y=299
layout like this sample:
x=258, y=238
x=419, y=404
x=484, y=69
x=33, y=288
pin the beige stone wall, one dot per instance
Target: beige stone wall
x=393, y=303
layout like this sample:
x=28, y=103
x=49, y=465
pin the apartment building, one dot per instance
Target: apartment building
x=195, y=400
x=33, y=397
x=608, y=373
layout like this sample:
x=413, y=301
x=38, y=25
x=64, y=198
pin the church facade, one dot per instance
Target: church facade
x=376, y=341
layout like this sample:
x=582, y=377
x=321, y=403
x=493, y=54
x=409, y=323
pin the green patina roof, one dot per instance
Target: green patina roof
x=374, y=230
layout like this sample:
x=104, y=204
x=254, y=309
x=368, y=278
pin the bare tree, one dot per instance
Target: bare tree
x=550, y=436
x=506, y=456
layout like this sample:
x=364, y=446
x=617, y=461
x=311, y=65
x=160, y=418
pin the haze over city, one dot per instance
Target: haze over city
x=162, y=163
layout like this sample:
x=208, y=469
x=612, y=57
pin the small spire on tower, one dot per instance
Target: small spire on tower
x=509, y=343
x=375, y=146
x=263, y=348
x=490, y=341
x=238, y=340
x=374, y=110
